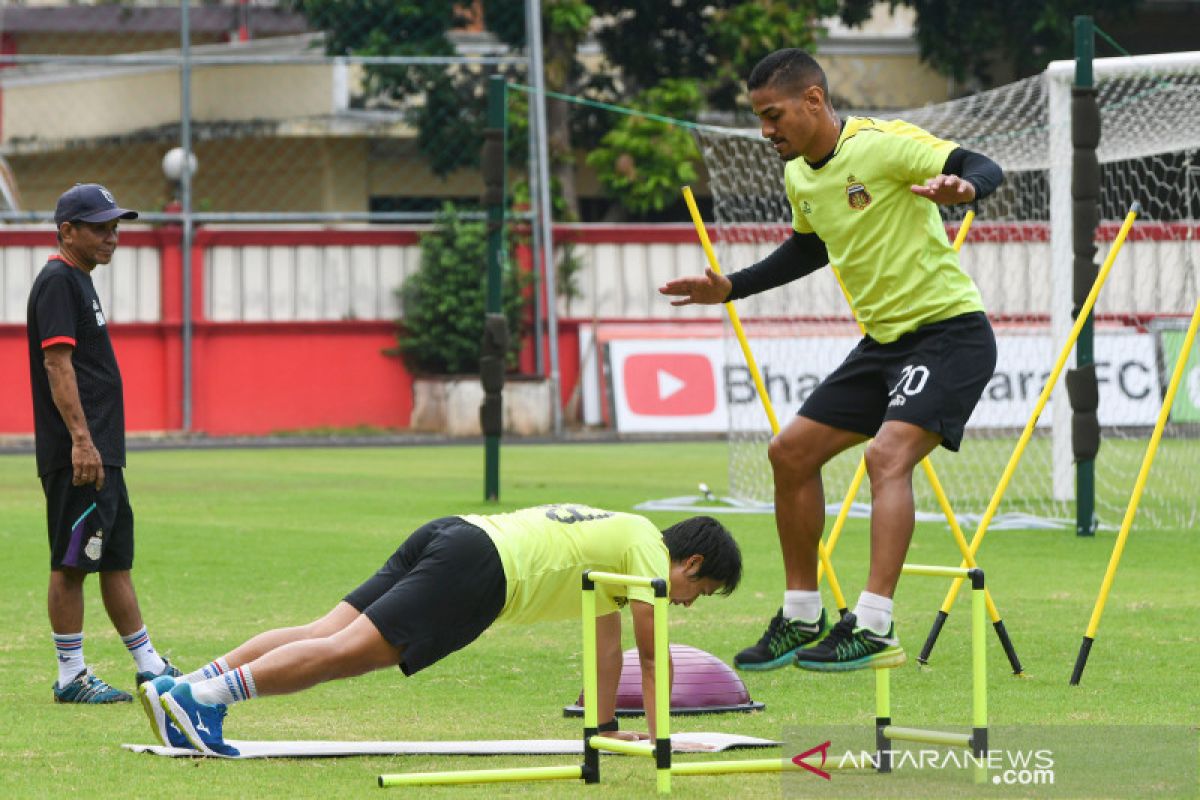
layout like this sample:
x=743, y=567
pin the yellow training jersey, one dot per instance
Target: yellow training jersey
x=545, y=550
x=888, y=244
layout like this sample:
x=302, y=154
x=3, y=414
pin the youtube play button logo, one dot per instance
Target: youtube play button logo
x=670, y=384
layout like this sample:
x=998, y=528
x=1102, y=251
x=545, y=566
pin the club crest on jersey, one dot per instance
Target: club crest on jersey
x=857, y=194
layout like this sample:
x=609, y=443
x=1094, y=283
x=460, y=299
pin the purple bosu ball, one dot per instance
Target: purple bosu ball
x=703, y=684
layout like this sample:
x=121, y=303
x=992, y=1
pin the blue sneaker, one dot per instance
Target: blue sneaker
x=164, y=729
x=87, y=688
x=168, y=669
x=200, y=722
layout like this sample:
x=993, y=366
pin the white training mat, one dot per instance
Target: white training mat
x=682, y=742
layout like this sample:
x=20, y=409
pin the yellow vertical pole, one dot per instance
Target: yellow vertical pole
x=734, y=320
x=591, y=757
x=1139, y=486
x=662, y=688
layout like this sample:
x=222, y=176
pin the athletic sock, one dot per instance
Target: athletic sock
x=70, y=656
x=874, y=612
x=209, y=670
x=232, y=687
x=139, y=646
x=802, y=604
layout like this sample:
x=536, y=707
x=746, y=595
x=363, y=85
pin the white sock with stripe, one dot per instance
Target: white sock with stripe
x=232, y=687
x=210, y=670
x=70, y=656
x=139, y=646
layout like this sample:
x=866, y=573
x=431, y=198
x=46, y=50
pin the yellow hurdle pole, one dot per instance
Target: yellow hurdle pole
x=702, y=232
x=591, y=758
x=1084, y=312
x=563, y=772
x=662, y=689
x=1139, y=486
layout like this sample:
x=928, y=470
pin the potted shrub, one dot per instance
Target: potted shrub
x=439, y=335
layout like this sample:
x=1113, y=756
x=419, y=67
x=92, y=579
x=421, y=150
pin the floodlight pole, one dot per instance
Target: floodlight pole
x=185, y=200
x=533, y=10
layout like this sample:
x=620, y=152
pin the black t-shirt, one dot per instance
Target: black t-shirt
x=65, y=309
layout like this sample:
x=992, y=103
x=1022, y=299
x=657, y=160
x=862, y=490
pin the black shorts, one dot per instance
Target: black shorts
x=442, y=588
x=89, y=530
x=931, y=377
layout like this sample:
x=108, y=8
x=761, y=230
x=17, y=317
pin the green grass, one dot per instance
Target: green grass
x=232, y=542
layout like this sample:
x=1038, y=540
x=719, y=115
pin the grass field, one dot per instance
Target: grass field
x=231, y=542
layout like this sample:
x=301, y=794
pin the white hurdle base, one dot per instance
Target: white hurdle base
x=685, y=742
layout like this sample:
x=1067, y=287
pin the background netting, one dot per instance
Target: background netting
x=1149, y=153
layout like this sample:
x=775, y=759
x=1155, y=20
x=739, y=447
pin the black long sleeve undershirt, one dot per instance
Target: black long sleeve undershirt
x=976, y=169
x=799, y=255
x=804, y=253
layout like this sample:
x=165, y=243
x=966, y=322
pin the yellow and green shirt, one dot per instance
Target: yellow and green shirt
x=888, y=244
x=544, y=551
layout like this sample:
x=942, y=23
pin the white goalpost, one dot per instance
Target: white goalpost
x=1020, y=253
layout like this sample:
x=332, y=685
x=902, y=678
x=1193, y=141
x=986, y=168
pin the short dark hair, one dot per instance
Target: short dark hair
x=790, y=68
x=706, y=537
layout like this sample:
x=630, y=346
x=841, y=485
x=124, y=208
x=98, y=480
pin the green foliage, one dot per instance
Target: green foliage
x=970, y=38
x=444, y=301
x=645, y=161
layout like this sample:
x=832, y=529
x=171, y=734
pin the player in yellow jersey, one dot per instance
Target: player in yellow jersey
x=444, y=586
x=864, y=196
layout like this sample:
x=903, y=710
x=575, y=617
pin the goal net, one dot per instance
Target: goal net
x=1019, y=252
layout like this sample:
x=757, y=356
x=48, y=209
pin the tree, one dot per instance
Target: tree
x=983, y=39
x=711, y=43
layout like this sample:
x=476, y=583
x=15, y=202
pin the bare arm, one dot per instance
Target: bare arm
x=643, y=635
x=707, y=289
x=608, y=653
x=86, y=466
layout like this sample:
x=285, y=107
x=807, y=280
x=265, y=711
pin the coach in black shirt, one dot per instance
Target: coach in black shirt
x=79, y=424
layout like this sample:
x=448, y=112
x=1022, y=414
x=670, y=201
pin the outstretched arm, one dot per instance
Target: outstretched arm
x=800, y=254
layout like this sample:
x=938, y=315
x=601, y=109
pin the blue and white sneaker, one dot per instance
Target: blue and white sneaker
x=164, y=729
x=168, y=669
x=201, y=723
x=88, y=689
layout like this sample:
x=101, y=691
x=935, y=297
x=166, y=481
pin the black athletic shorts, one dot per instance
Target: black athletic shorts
x=931, y=377
x=442, y=588
x=89, y=530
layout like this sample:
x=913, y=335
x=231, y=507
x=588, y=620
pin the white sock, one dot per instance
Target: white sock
x=139, y=646
x=874, y=612
x=231, y=687
x=69, y=647
x=802, y=604
x=209, y=670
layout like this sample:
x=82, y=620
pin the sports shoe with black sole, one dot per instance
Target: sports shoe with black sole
x=848, y=647
x=779, y=645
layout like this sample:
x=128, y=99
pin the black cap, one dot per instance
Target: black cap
x=89, y=202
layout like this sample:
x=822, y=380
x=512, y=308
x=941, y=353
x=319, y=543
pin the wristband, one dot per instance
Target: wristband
x=608, y=727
